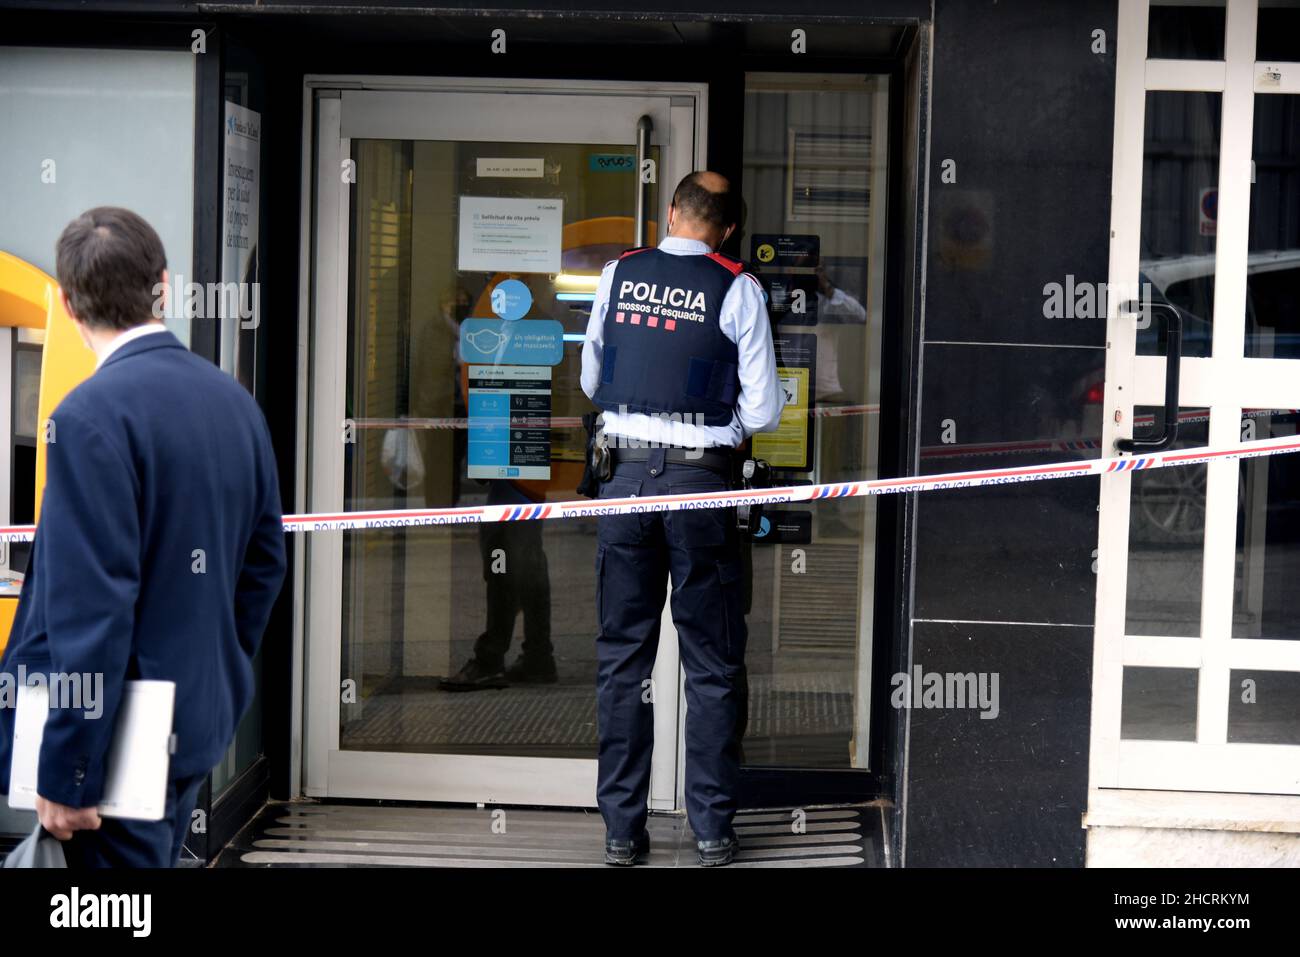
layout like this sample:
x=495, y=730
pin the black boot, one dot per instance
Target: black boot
x=718, y=853
x=627, y=853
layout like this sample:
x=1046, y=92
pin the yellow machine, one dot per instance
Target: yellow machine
x=29, y=299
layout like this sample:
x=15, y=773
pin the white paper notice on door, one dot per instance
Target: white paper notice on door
x=508, y=234
x=511, y=167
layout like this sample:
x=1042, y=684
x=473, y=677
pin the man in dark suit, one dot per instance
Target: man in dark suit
x=159, y=552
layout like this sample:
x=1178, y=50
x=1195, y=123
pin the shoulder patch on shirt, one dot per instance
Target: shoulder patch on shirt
x=726, y=262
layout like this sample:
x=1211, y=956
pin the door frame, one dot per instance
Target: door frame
x=323, y=770
x=1225, y=383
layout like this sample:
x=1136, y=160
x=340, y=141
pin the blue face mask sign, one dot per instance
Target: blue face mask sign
x=511, y=300
x=533, y=342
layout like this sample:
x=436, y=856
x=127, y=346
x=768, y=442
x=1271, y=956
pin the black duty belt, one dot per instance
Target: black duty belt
x=715, y=460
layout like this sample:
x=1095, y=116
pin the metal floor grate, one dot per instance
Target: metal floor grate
x=337, y=835
x=565, y=715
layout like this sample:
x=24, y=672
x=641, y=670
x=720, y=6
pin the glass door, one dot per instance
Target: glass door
x=460, y=231
x=815, y=172
x=1197, y=663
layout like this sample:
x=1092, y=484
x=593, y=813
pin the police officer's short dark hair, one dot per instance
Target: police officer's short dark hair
x=698, y=202
x=109, y=261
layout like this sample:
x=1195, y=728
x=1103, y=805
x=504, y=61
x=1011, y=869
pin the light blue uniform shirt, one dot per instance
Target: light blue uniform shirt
x=744, y=321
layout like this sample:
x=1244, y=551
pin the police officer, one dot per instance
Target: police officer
x=679, y=357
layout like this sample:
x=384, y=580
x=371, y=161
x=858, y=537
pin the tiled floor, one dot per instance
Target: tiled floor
x=343, y=835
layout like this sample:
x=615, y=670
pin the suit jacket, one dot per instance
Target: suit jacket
x=159, y=554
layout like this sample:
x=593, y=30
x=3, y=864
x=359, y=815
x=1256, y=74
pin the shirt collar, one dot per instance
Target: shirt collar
x=684, y=247
x=135, y=332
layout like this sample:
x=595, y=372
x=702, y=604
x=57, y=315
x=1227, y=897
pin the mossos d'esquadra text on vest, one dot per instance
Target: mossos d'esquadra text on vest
x=645, y=293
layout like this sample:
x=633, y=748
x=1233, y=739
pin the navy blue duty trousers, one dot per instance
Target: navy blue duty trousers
x=636, y=556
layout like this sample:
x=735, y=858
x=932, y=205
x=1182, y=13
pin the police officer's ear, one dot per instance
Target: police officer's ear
x=726, y=234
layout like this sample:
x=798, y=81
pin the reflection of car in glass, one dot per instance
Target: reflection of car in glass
x=1186, y=283
x=1169, y=504
x=1272, y=303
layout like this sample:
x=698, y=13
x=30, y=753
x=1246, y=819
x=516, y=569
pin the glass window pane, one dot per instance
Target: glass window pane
x=1266, y=599
x=102, y=114
x=1185, y=31
x=1159, y=704
x=814, y=157
x=1278, y=36
x=1273, y=268
x=1167, y=534
x=1264, y=707
x=420, y=603
x=1180, y=187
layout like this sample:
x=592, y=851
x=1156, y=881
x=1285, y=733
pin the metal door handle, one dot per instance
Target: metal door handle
x=1173, y=362
x=644, y=126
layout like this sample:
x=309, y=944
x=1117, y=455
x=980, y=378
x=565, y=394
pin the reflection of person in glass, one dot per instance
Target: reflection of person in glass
x=832, y=303
x=840, y=441
x=518, y=581
x=434, y=354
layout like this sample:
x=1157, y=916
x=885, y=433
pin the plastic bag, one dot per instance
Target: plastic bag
x=39, y=849
x=401, y=458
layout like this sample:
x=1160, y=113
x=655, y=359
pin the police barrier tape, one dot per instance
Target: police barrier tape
x=571, y=421
x=412, y=518
x=406, y=518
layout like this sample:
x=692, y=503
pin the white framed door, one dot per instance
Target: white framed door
x=386, y=616
x=1196, y=652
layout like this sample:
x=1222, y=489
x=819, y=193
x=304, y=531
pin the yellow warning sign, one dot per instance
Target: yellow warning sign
x=787, y=447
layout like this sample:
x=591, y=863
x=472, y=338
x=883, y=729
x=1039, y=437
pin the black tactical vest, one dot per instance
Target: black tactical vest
x=664, y=352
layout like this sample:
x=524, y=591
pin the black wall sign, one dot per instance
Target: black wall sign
x=784, y=528
x=776, y=249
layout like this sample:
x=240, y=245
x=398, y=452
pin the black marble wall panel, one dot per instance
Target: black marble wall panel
x=1010, y=790
x=1020, y=553
x=990, y=406
x=1012, y=552
x=1012, y=362
x=1020, y=166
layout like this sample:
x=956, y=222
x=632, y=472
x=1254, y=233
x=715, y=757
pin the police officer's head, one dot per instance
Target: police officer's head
x=703, y=208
